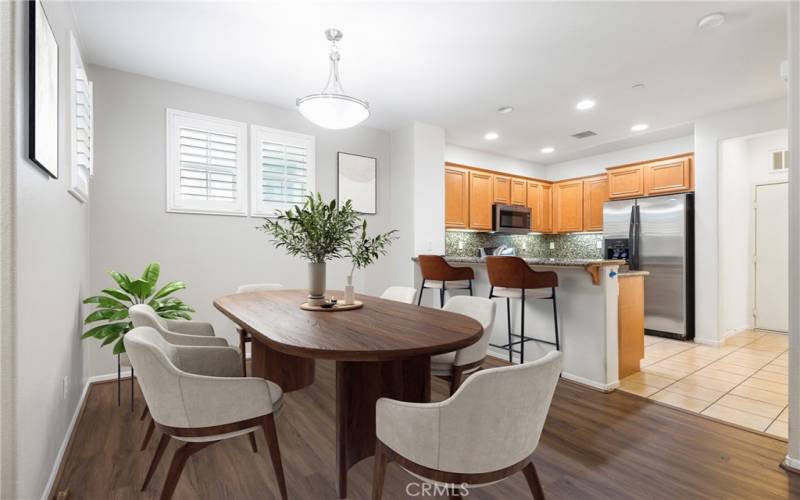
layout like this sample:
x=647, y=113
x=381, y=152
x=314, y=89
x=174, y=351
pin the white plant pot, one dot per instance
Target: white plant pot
x=316, y=282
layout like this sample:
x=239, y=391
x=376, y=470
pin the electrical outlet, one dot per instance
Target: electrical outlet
x=461, y=245
x=552, y=245
x=65, y=386
x=600, y=244
x=524, y=245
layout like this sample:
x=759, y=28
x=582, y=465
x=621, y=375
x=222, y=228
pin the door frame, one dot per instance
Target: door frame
x=754, y=206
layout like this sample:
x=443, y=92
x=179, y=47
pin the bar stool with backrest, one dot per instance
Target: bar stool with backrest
x=513, y=278
x=438, y=274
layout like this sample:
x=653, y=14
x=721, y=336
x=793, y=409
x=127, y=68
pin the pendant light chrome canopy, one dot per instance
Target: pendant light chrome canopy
x=332, y=108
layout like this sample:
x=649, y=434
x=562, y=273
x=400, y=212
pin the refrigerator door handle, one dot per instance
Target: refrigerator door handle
x=633, y=238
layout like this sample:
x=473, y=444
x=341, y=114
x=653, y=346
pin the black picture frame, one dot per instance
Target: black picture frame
x=341, y=198
x=43, y=87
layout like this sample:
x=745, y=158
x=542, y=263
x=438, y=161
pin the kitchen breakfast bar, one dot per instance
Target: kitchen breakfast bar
x=590, y=324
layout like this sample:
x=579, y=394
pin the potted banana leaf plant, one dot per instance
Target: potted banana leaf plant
x=111, y=306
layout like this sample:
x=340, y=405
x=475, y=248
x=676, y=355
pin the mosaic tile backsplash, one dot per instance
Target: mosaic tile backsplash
x=567, y=246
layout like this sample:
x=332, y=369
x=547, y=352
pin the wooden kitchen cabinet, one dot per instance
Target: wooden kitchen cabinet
x=456, y=198
x=626, y=182
x=595, y=194
x=568, y=206
x=630, y=306
x=668, y=176
x=518, y=192
x=481, y=189
x=540, y=201
x=502, y=189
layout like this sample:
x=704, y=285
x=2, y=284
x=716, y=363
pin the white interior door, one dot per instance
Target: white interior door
x=772, y=257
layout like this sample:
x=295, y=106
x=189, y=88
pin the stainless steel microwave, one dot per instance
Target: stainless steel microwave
x=511, y=219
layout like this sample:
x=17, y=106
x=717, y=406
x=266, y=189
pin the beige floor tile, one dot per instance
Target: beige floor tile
x=738, y=417
x=784, y=362
x=650, y=340
x=714, y=373
x=766, y=385
x=771, y=376
x=780, y=429
x=760, y=408
x=695, y=391
x=772, y=367
x=746, y=352
x=664, y=372
x=784, y=416
x=767, y=347
x=744, y=362
x=649, y=379
x=680, y=401
x=761, y=395
x=710, y=383
x=637, y=388
x=728, y=367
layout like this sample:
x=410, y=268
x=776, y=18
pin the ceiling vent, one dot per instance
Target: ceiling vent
x=584, y=134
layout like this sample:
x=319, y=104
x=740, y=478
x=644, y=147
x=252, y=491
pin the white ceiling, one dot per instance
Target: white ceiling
x=454, y=64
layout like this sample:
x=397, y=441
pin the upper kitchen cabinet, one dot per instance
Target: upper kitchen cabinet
x=626, y=182
x=595, y=194
x=456, y=198
x=481, y=189
x=502, y=189
x=568, y=206
x=540, y=201
x=518, y=192
x=672, y=175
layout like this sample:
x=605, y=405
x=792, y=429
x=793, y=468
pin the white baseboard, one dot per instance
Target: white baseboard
x=500, y=354
x=709, y=342
x=792, y=463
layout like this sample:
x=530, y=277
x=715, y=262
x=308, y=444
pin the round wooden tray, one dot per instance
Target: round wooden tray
x=357, y=304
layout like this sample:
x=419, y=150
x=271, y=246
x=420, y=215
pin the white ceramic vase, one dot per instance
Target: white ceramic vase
x=316, y=283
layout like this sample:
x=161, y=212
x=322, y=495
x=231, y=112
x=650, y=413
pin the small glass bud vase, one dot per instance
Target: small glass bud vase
x=349, y=292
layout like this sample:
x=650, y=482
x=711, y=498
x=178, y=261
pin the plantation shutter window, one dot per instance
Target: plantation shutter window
x=282, y=170
x=206, y=164
x=81, y=121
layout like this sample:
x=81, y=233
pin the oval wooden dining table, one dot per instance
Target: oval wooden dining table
x=383, y=349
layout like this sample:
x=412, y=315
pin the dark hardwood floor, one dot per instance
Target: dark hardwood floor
x=594, y=445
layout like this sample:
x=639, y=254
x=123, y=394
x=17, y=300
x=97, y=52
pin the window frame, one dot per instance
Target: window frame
x=259, y=208
x=175, y=119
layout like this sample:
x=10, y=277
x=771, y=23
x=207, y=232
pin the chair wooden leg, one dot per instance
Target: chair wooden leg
x=242, y=343
x=179, y=459
x=379, y=472
x=271, y=433
x=144, y=412
x=150, y=427
x=162, y=445
x=455, y=379
x=533, y=481
x=253, y=444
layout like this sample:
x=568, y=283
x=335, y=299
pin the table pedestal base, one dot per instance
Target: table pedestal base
x=289, y=372
x=358, y=386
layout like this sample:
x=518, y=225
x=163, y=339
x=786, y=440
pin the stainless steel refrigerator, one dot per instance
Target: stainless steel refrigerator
x=656, y=234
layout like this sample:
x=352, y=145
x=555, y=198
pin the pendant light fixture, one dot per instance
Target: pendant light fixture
x=332, y=108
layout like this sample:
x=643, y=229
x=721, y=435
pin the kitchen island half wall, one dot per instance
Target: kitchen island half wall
x=588, y=322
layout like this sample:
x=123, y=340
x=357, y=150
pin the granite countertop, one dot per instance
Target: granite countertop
x=543, y=261
x=625, y=274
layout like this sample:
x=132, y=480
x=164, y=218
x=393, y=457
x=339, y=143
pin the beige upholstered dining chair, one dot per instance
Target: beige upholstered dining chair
x=244, y=337
x=485, y=432
x=196, y=397
x=177, y=332
x=456, y=364
x=404, y=294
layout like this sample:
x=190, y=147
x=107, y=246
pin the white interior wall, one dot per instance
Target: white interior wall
x=52, y=252
x=744, y=163
x=710, y=131
x=597, y=164
x=212, y=253
x=492, y=161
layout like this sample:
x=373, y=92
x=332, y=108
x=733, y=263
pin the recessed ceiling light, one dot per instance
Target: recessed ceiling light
x=585, y=104
x=490, y=136
x=639, y=127
x=548, y=150
x=505, y=109
x=711, y=21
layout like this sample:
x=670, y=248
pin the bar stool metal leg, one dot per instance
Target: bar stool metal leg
x=421, y=289
x=522, y=331
x=510, y=338
x=555, y=318
x=470, y=288
x=132, y=379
